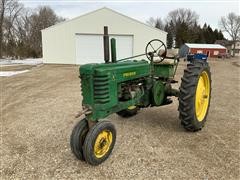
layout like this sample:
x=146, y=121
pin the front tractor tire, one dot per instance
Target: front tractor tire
x=77, y=138
x=195, y=95
x=129, y=112
x=99, y=142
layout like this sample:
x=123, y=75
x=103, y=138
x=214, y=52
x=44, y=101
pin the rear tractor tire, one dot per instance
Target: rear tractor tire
x=129, y=112
x=195, y=95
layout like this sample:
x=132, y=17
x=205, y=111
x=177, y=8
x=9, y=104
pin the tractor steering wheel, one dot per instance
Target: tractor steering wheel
x=156, y=48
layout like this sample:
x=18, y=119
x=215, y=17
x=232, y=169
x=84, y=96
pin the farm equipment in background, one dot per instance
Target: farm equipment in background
x=197, y=56
x=124, y=86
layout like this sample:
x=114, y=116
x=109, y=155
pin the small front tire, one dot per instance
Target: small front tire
x=77, y=138
x=99, y=142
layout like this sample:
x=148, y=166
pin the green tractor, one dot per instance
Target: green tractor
x=127, y=85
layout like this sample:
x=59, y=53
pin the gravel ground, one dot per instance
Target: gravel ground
x=37, y=117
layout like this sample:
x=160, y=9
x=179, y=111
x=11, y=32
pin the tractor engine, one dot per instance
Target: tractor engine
x=111, y=87
x=129, y=90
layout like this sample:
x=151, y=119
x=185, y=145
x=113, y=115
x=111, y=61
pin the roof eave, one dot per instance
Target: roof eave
x=58, y=24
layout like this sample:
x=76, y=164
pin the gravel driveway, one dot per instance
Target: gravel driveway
x=37, y=117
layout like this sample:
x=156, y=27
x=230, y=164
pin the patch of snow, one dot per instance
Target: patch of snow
x=24, y=61
x=11, y=73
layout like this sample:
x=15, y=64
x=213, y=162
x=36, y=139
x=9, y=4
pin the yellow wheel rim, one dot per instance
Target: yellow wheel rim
x=202, y=96
x=102, y=143
x=131, y=107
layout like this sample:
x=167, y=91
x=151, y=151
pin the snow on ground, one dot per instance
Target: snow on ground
x=7, y=62
x=15, y=62
x=11, y=73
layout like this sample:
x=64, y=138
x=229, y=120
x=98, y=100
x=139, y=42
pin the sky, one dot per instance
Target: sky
x=209, y=11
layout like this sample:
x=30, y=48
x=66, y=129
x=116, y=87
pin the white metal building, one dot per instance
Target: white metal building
x=80, y=40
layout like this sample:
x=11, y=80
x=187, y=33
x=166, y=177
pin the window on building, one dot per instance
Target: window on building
x=199, y=51
x=215, y=53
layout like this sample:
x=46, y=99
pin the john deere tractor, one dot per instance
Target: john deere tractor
x=125, y=86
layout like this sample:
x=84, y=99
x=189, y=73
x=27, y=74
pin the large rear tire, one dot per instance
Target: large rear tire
x=195, y=95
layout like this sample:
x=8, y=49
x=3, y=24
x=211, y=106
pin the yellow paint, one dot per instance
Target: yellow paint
x=102, y=143
x=202, y=96
x=131, y=107
x=127, y=74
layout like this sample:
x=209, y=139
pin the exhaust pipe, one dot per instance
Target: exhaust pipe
x=106, y=45
x=113, y=50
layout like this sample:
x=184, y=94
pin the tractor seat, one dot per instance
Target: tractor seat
x=167, y=60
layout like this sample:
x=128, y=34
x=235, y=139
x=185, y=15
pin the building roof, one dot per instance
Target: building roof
x=108, y=9
x=205, y=46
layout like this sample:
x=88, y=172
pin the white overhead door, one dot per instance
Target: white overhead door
x=89, y=48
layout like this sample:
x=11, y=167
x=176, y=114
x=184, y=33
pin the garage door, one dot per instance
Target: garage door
x=89, y=48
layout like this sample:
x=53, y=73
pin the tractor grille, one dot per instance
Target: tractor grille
x=101, y=89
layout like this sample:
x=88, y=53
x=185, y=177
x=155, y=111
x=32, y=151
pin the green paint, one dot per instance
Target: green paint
x=163, y=70
x=102, y=85
x=158, y=93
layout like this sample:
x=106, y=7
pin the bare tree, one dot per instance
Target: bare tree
x=182, y=15
x=2, y=13
x=43, y=18
x=156, y=22
x=231, y=25
x=23, y=25
x=20, y=28
x=22, y=34
x=9, y=12
x=181, y=21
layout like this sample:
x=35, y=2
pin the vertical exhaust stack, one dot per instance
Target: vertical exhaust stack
x=113, y=50
x=106, y=45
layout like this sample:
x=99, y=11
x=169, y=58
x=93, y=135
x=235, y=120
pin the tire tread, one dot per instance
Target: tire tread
x=187, y=95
